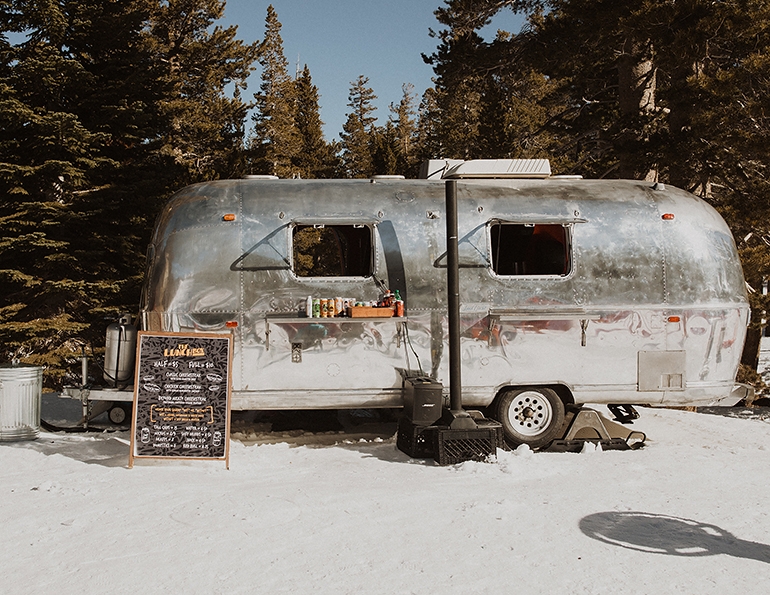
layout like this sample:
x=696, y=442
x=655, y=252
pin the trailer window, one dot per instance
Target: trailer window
x=529, y=249
x=332, y=250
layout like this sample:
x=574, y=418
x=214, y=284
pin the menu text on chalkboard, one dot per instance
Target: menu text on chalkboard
x=182, y=396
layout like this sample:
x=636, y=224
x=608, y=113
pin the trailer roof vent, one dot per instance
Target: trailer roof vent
x=387, y=177
x=485, y=168
x=260, y=177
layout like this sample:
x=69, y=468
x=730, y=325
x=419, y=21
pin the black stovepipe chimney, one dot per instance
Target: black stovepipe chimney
x=457, y=417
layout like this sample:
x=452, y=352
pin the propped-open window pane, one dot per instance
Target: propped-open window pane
x=332, y=250
x=520, y=249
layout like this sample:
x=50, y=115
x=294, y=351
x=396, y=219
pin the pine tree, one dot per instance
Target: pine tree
x=606, y=68
x=88, y=152
x=487, y=102
x=402, y=117
x=385, y=150
x=457, y=91
x=63, y=127
x=204, y=134
x=359, y=131
x=428, y=140
x=276, y=142
x=316, y=158
x=516, y=102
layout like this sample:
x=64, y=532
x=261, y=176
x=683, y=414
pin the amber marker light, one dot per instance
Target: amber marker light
x=228, y=217
x=668, y=216
x=674, y=319
x=231, y=323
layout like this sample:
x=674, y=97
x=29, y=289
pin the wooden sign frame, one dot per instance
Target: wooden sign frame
x=182, y=396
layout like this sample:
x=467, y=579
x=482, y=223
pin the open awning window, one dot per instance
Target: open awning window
x=323, y=250
x=530, y=249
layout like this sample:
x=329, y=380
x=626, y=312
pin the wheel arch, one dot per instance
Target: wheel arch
x=562, y=390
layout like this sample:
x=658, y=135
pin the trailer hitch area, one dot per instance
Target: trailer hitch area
x=587, y=425
x=91, y=407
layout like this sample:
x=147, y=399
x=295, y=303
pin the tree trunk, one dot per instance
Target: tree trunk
x=637, y=84
x=750, y=356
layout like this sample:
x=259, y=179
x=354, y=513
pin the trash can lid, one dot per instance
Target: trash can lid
x=14, y=363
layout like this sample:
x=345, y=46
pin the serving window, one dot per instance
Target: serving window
x=323, y=250
x=523, y=249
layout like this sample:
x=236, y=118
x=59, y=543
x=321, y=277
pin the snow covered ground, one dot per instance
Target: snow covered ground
x=687, y=514
x=349, y=513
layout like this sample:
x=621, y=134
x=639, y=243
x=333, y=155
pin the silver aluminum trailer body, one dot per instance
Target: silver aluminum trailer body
x=647, y=306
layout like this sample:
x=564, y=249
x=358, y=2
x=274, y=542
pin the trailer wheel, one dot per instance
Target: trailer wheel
x=531, y=416
x=117, y=414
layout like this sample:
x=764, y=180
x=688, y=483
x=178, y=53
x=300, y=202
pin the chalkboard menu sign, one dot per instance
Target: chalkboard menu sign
x=182, y=396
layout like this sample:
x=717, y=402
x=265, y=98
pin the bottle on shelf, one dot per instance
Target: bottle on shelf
x=399, y=303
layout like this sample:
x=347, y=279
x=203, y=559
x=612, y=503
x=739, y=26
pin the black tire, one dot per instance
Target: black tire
x=119, y=414
x=531, y=416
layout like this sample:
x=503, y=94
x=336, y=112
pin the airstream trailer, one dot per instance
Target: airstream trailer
x=572, y=291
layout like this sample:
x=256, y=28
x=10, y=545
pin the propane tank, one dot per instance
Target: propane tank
x=120, y=351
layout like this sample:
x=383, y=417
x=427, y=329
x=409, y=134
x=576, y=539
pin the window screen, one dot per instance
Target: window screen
x=530, y=249
x=332, y=250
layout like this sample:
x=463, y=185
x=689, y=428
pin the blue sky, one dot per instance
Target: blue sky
x=342, y=39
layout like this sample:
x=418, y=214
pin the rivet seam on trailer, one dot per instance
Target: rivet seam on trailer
x=239, y=336
x=205, y=226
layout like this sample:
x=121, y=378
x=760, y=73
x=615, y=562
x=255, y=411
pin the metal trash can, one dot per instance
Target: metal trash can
x=21, y=387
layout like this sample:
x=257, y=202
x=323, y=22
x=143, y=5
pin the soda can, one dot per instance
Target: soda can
x=399, y=308
x=316, y=308
x=339, y=308
x=324, y=308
